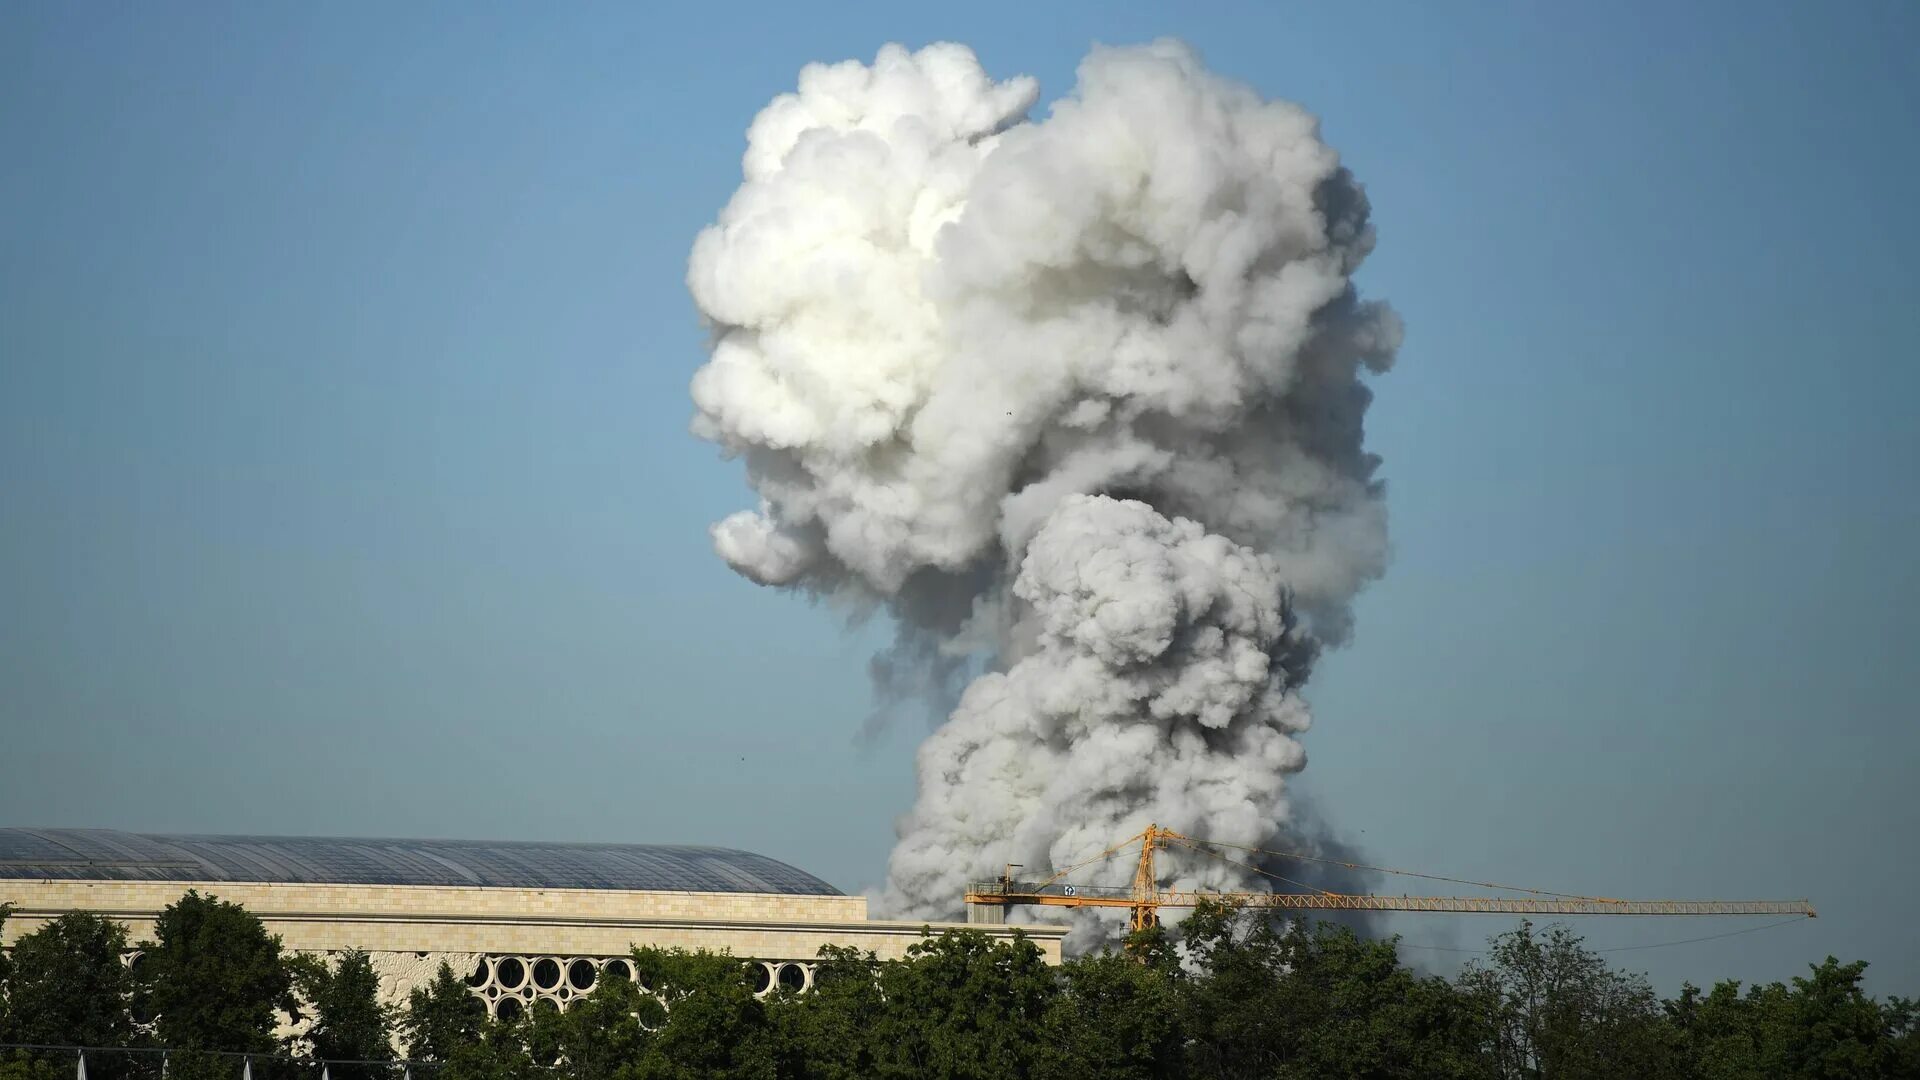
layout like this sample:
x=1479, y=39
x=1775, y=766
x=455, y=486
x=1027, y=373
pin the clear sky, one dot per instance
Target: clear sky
x=345, y=484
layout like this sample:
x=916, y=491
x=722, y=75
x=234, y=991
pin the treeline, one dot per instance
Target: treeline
x=1232, y=995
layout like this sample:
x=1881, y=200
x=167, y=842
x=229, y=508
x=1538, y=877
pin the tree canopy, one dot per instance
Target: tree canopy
x=1232, y=994
x=350, y=1023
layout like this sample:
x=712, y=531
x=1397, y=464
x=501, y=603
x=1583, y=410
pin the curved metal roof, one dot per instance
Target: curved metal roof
x=111, y=855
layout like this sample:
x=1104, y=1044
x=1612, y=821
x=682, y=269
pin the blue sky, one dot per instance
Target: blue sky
x=345, y=484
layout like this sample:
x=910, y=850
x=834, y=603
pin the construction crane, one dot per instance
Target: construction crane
x=988, y=901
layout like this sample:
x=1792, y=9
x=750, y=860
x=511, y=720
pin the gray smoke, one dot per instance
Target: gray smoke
x=1080, y=398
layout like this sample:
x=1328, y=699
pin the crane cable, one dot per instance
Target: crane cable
x=1201, y=846
x=1619, y=948
x=1258, y=870
x=1192, y=841
x=1102, y=857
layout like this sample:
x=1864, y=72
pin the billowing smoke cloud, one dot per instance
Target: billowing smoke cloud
x=1078, y=397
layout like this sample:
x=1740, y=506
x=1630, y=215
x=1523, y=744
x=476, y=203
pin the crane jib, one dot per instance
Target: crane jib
x=1088, y=896
x=1145, y=897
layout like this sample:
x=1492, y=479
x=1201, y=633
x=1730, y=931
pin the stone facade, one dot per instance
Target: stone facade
x=410, y=929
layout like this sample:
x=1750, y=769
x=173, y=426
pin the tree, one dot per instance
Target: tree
x=1903, y=1028
x=1291, y=999
x=350, y=1024
x=1552, y=1009
x=441, y=1017
x=1230, y=1012
x=828, y=1034
x=1837, y=1030
x=1823, y=1027
x=704, y=1019
x=963, y=1006
x=599, y=1037
x=499, y=1054
x=5, y=969
x=19, y=1064
x=1117, y=1017
x=69, y=985
x=213, y=977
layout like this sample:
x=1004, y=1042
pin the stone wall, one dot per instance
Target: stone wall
x=410, y=929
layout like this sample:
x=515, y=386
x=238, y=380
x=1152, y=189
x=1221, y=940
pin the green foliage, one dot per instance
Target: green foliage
x=499, y=1054
x=23, y=1065
x=441, y=1017
x=827, y=1034
x=1823, y=1027
x=214, y=977
x=6, y=966
x=1116, y=1017
x=963, y=1006
x=599, y=1037
x=1550, y=1008
x=1240, y=994
x=68, y=985
x=1294, y=1000
x=350, y=1024
x=703, y=1017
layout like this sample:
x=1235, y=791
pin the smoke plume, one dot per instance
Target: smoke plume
x=1078, y=399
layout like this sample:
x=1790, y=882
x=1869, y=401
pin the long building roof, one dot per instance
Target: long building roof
x=112, y=855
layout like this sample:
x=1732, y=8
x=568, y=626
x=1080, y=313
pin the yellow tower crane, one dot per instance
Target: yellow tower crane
x=988, y=901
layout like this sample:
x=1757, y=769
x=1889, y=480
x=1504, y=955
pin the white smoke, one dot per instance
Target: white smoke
x=1082, y=396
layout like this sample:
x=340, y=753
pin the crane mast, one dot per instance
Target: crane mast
x=988, y=901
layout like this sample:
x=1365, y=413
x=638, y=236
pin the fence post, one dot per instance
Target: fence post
x=80, y=1072
x=246, y=1069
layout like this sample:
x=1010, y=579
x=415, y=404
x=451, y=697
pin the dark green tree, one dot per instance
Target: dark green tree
x=214, y=978
x=350, y=1023
x=827, y=1034
x=1903, y=1028
x=963, y=1006
x=1117, y=1016
x=20, y=1065
x=1290, y=999
x=1549, y=1008
x=70, y=986
x=599, y=1037
x=1230, y=1013
x=441, y=1017
x=499, y=1054
x=1837, y=1030
x=5, y=968
x=1822, y=1027
x=703, y=1018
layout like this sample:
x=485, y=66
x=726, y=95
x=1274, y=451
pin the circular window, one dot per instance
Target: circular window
x=580, y=974
x=511, y=972
x=508, y=1009
x=620, y=969
x=758, y=977
x=479, y=975
x=793, y=977
x=546, y=973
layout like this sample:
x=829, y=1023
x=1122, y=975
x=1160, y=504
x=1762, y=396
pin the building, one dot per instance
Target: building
x=523, y=922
